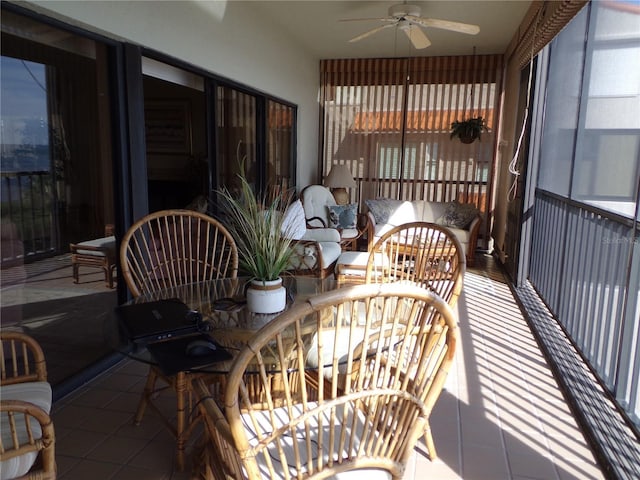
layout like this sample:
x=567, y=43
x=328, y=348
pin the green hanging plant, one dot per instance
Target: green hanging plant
x=468, y=130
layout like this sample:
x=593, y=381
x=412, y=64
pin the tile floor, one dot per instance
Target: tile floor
x=501, y=415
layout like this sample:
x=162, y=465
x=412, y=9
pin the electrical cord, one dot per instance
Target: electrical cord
x=513, y=164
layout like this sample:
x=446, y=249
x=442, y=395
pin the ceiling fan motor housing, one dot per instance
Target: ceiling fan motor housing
x=403, y=10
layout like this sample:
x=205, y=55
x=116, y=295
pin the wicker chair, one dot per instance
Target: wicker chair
x=426, y=254
x=423, y=253
x=419, y=252
x=163, y=250
x=25, y=425
x=352, y=397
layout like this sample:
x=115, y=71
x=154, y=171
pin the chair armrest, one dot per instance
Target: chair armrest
x=474, y=230
x=307, y=256
x=316, y=219
x=370, y=228
x=19, y=440
x=213, y=416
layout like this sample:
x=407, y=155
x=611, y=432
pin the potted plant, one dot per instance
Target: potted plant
x=468, y=130
x=264, y=249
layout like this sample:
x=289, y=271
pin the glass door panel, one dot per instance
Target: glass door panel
x=57, y=188
x=236, y=136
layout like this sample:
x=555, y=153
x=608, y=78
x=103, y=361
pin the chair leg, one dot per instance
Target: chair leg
x=181, y=430
x=428, y=441
x=149, y=388
x=75, y=272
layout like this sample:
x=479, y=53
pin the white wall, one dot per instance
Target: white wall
x=227, y=38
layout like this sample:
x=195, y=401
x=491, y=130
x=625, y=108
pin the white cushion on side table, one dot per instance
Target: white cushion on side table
x=351, y=267
x=99, y=253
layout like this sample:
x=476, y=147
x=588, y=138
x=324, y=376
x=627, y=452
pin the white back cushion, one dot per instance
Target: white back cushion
x=316, y=199
x=294, y=225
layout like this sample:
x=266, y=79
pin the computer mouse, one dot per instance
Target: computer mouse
x=200, y=348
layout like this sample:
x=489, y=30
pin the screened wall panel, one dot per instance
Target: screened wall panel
x=584, y=252
x=389, y=121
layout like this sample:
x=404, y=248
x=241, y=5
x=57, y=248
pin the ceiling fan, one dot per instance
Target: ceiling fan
x=407, y=18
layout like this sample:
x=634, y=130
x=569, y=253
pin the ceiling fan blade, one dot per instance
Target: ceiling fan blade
x=418, y=38
x=371, y=32
x=445, y=25
x=378, y=19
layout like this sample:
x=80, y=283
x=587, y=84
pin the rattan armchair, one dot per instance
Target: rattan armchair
x=419, y=252
x=164, y=250
x=27, y=447
x=425, y=254
x=174, y=247
x=354, y=405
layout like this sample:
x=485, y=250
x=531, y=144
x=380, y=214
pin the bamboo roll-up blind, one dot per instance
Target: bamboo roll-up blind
x=389, y=120
x=541, y=24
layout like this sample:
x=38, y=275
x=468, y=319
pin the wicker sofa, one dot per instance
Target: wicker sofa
x=463, y=219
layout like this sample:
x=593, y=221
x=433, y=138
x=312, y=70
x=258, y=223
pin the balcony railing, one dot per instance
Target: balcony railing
x=585, y=266
x=27, y=202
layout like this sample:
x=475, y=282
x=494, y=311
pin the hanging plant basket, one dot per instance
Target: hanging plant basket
x=468, y=130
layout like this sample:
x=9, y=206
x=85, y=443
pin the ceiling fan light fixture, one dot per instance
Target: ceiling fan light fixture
x=403, y=10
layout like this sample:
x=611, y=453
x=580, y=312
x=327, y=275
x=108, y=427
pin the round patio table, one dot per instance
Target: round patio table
x=225, y=320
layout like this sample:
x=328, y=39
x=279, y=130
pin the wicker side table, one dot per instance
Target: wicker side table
x=98, y=253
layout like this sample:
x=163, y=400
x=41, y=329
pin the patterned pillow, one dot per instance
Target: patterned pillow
x=458, y=215
x=383, y=208
x=343, y=216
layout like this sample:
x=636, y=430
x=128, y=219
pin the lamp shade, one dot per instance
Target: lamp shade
x=340, y=177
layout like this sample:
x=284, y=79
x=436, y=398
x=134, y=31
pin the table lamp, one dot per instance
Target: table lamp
x=338, y=180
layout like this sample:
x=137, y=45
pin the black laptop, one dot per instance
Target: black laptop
x=156, y=320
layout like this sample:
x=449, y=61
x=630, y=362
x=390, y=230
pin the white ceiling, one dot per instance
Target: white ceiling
x=315, y=23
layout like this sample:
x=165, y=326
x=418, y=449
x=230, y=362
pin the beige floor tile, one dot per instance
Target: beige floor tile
x=115, y=449
x=79, y=443
x=91, y=470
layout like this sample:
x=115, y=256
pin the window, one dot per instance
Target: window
x=591, y=134
x=377, y=109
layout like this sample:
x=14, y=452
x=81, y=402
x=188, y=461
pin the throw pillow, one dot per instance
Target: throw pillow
x=294, y=225
x=383, y=208
x=343, y=216
x=458, y=215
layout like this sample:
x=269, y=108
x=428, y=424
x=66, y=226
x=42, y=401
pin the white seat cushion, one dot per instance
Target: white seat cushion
x=108, y=243
x=38, y=393
x=355, y=263
x=348, y=233
x=282, y=418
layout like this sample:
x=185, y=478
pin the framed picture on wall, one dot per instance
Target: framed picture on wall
x=168, y=126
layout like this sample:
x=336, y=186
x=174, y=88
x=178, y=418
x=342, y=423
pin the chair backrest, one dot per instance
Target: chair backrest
x=343, y=381
x=315, y=200
x=23, y=359
x=169, y=248
x=424, y=253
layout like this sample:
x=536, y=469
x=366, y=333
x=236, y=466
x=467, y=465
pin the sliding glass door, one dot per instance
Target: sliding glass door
x=57, y=188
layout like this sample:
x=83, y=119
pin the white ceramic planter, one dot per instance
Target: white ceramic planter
x=266, y=296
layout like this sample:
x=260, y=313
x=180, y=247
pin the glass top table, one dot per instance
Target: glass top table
x=225, y=318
